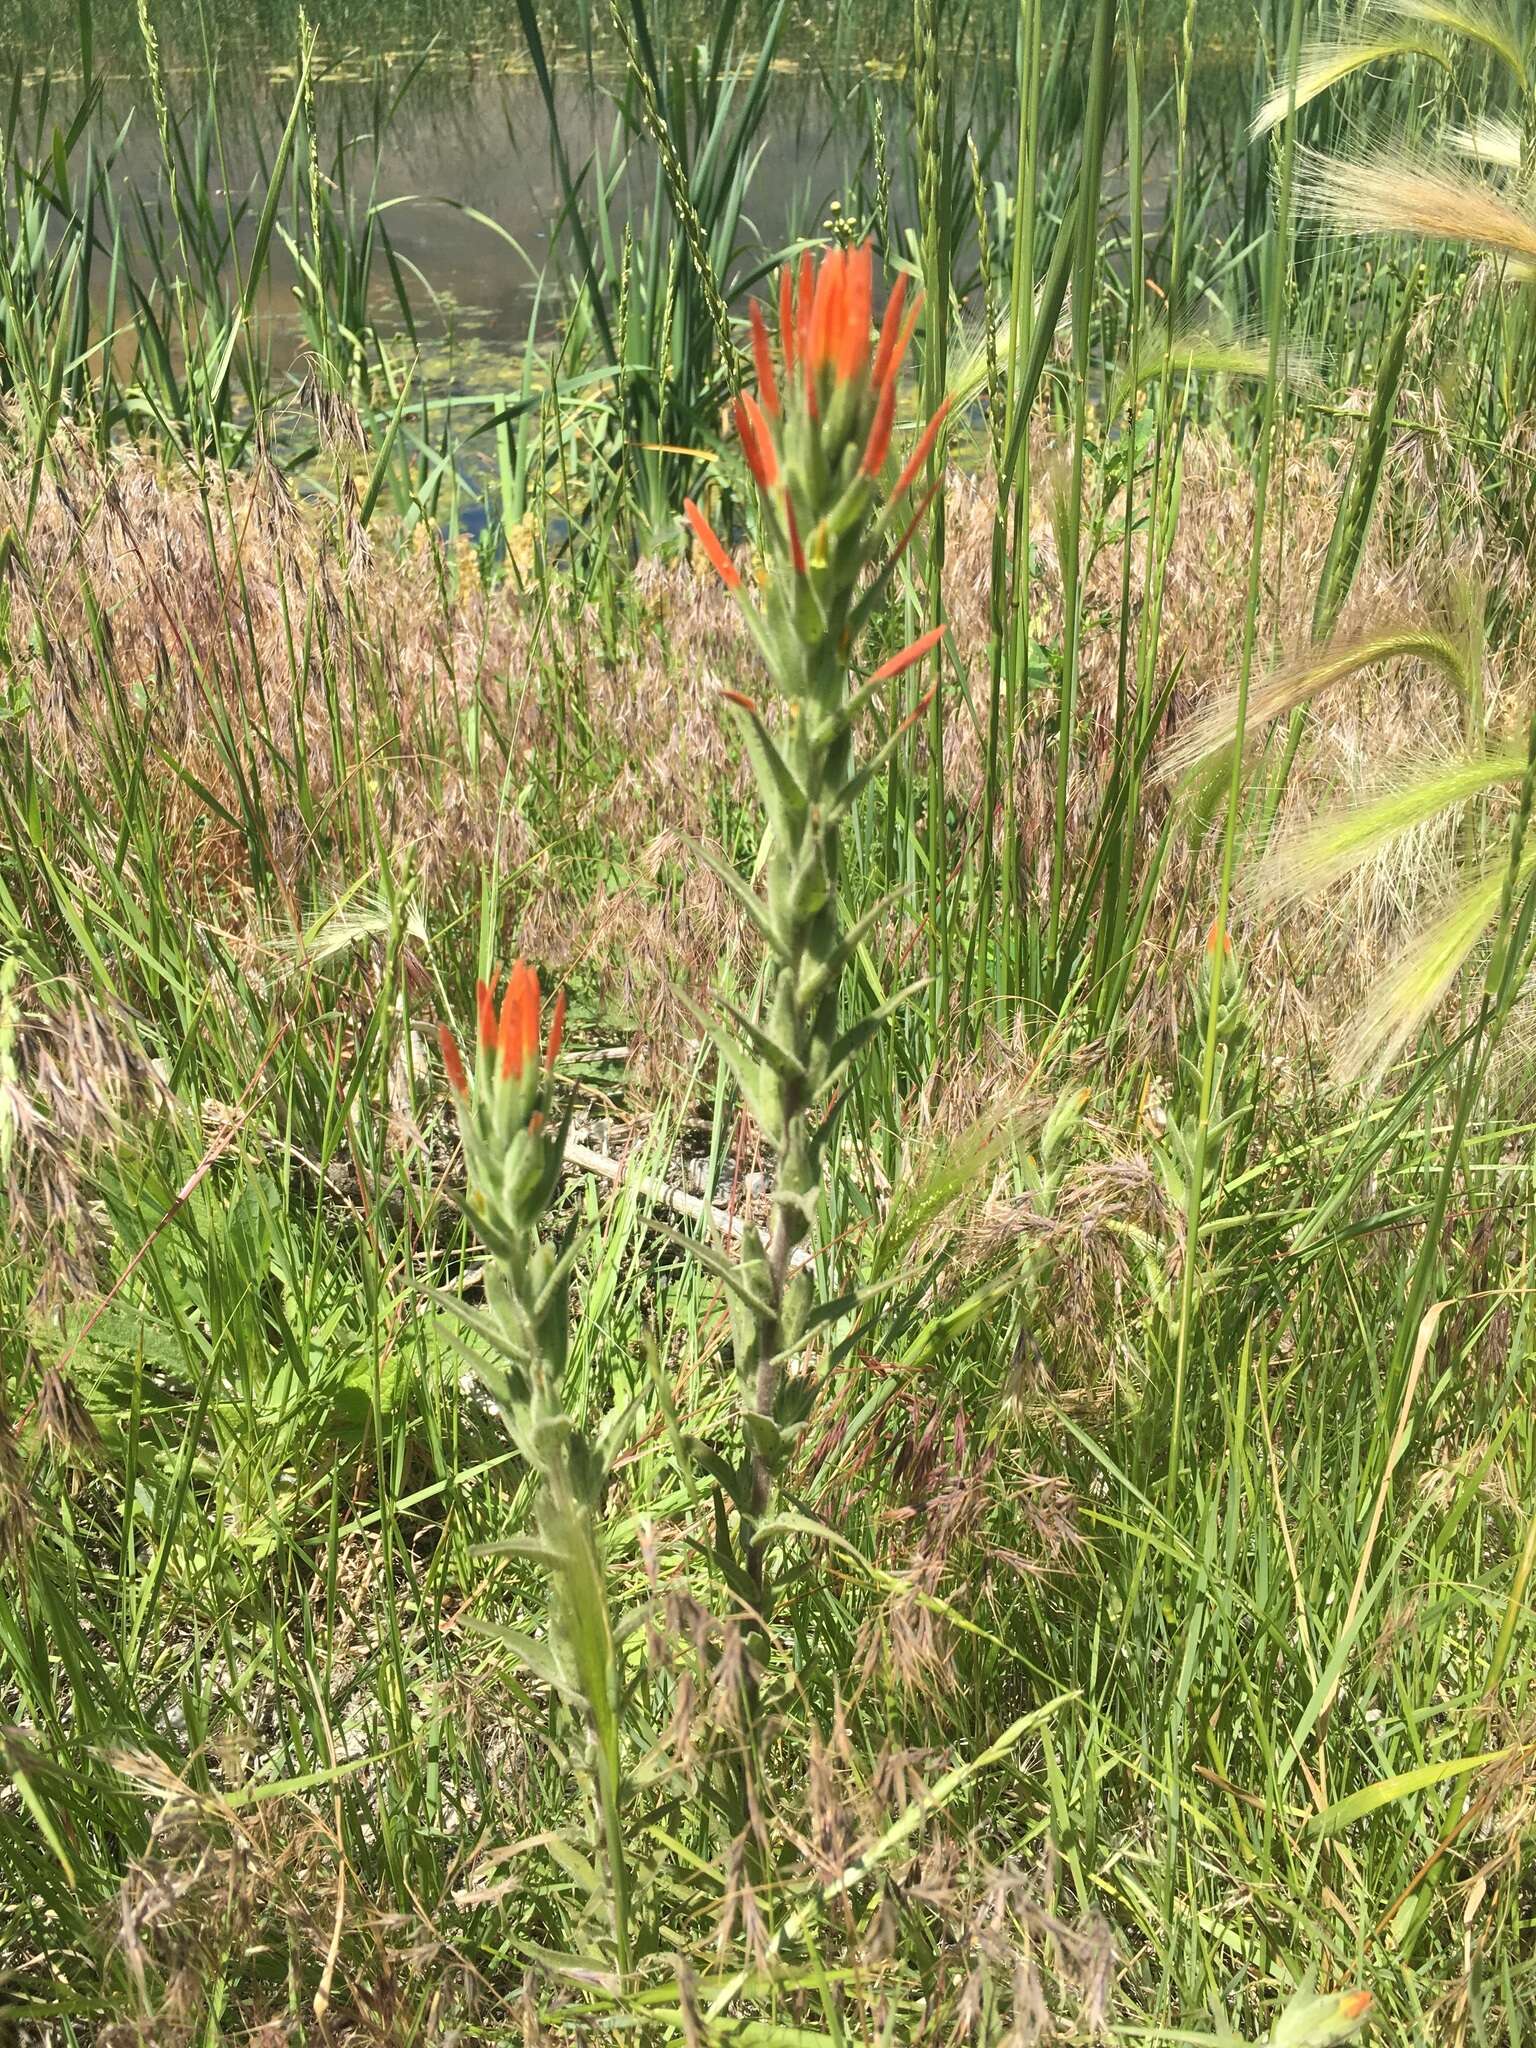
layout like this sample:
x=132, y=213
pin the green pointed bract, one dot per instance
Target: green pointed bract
x=846, y=716
x=729, y=1272
x=812, y=888
x=749, y=900
x=783, y=799
x=799, y=1300
x=854, y=1040
x=801, y=1204
x=859, y=781
x=817, y=975
x=755, y=1079
x=782, y=1059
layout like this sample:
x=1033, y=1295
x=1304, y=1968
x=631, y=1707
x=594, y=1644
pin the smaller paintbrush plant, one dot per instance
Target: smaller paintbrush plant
x=514, y=1150
x=817, y=438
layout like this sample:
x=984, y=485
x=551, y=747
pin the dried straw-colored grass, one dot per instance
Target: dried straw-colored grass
x=228, y=616
x=1392, y=191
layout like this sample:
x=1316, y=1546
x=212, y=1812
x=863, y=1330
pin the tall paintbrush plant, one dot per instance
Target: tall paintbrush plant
x=817, y=438
x=514, y=1148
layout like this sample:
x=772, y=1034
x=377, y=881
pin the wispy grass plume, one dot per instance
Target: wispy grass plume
x=1298, y=681
x=1326, y=65
x=1404, y=998
x=1490, y=139
x=1488, y=27
x=1396, y=192
x=1336, y=845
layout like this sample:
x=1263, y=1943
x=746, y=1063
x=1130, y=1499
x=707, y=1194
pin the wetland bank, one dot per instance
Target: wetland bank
x=765, y=921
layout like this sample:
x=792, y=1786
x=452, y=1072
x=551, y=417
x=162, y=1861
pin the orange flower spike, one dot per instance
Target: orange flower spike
x=556, y=1034
x=852, y=339
x=762, y=356
x=921, y=452
x=787, y=319
x=879, y=443
x=909, y=656
x=890, y=327
x=453, y=1062
x=511, y=1033
x=709, y=541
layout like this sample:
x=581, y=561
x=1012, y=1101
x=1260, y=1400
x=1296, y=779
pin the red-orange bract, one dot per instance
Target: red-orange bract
x=508, y=1038
x=829, y=351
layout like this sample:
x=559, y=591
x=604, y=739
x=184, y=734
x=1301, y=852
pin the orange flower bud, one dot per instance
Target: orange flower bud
x=921, y=452
x=924, y=644
x=485, y=1005
x=816, y=287
x=709, y=541
x=914, y=522
x=453, y=1063
x=852, y=344
x=918, y=712
x=757, y=441
x=556, y=1033
x=890, y=327
x=530, y=1015
x=510, y=1037
x=904, y=340
x=787, y=318
x=879, y=443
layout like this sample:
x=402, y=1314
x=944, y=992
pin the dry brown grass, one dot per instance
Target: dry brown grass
x=228, y=620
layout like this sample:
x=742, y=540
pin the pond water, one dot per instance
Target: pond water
x=456, y=157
